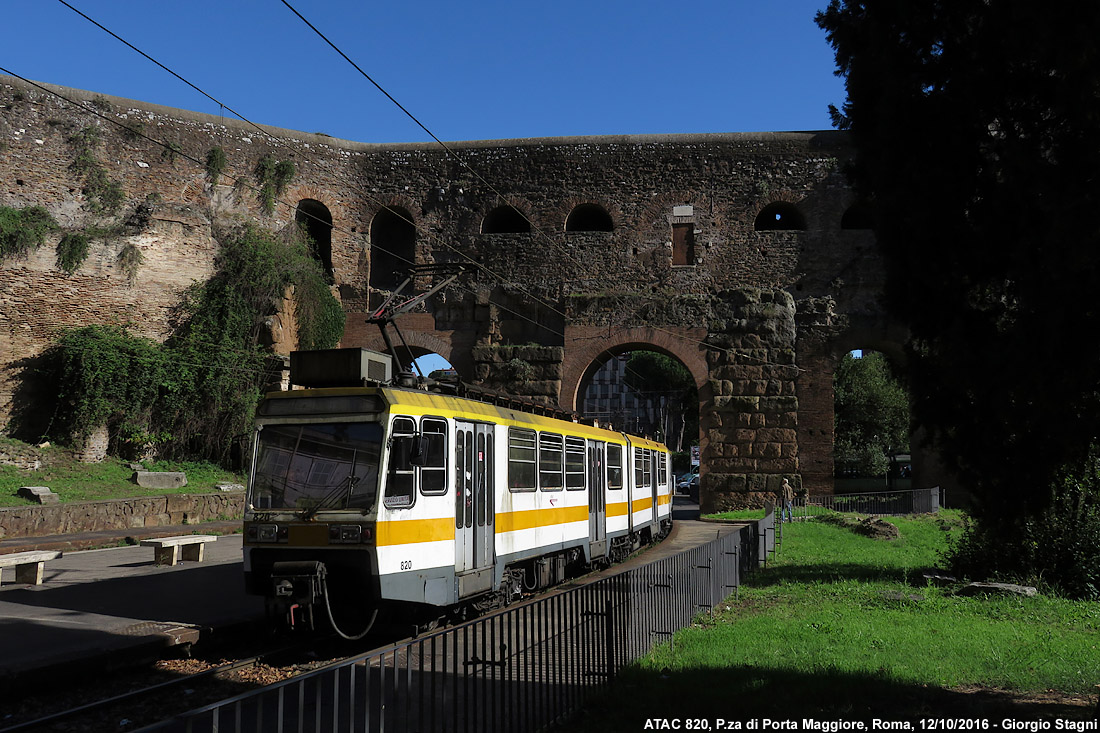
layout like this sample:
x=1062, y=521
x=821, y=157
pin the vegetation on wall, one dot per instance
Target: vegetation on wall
x=23, y=230
x=105, y=376
x=103, y=195
x=72, y=250
x=215, y=164
x=195, y=395
x=273, y=177
x=130, y=260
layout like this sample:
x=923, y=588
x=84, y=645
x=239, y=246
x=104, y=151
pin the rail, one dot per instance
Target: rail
x=879, y=503
x=520, y=669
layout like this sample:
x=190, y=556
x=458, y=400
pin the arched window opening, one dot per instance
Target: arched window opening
x=588, y=218
x=315, y=219
x=858, y=216
x=392, y=247
x=779, y=216
x=505, y=220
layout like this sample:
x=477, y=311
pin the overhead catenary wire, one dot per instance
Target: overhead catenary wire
x=449, y=151
x=464, y=164
x=427, y=234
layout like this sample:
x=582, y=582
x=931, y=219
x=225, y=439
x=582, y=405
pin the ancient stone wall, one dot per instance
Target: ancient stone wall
x=95, y=516
x=687, y=260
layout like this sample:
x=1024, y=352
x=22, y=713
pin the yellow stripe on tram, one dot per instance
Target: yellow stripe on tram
x=410, y=531
x=533, y=518
x=618, y=509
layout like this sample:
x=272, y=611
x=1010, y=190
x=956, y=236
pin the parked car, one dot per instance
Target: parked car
x=687, y=481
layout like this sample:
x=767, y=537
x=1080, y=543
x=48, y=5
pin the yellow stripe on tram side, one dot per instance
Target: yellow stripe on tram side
x=533, y=518
x=642, y=504
x=410, y=531
x=618, y=509
x=664, y=499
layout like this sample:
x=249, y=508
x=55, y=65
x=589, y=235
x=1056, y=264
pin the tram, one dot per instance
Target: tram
x=371, y=494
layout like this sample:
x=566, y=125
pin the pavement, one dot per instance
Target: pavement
x=98, y=608
x=106, y=607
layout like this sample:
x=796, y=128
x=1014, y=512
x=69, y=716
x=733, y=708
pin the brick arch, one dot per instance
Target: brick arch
x=588, y=347
x=421, y=342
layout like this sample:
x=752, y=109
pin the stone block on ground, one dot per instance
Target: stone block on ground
x=40, y=494
x=1001, y=589
x=160, y=479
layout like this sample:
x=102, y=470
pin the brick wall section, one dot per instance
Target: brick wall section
x=541, y=288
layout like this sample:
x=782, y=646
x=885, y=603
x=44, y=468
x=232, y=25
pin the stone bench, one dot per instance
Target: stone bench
x=168, y=548
x=28, y=565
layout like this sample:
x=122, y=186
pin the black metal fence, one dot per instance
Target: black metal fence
x=520, y=669
x=881, y=503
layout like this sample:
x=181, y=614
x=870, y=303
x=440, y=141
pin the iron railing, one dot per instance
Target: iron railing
x=520, y=669
x=879, y=503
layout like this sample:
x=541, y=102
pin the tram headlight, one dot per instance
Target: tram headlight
x=259, y=533
x=349, y=534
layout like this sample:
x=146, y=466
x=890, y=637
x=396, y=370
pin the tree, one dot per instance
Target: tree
x=871, y=415
x=975, y=125
x=670, y=383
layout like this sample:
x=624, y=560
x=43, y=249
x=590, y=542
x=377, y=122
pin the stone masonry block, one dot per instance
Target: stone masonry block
x=159, y=479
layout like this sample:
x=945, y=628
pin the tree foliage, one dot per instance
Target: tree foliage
x=871, y=415
x=974, y=124
x=664, y=377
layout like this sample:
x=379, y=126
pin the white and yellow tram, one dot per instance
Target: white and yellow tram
x=379, y=496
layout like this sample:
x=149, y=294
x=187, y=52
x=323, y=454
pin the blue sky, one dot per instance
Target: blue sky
x=478, y=70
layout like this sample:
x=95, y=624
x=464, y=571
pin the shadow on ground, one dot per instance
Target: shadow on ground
x=753, y=693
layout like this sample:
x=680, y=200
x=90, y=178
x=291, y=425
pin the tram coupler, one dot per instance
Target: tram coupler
x=295, y=588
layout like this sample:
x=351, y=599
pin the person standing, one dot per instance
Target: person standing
x=786, y=496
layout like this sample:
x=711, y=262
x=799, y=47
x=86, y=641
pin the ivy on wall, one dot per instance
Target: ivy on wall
x=102, y=195
x=195, y=395
x=215, y=164
x=23, y=230
x=273, y=177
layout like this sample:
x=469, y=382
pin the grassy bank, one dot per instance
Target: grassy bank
x=72, y=480
x=844, y=627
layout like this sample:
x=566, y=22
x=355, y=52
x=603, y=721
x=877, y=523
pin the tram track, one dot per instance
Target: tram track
x=127, y=700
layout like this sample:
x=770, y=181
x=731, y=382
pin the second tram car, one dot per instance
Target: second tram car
x=369, y=497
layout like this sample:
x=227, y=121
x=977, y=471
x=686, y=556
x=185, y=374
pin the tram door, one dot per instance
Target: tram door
x=658, y=460
x=597, y=498
x=475, y=506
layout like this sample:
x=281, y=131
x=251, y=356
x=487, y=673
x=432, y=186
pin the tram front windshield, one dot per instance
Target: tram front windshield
x=315, y=467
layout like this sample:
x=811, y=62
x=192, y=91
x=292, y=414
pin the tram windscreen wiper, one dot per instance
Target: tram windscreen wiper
x=338, y=496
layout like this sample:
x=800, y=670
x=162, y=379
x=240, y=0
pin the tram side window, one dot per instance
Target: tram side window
x=433, y=470
x=614, y=467
x=550, y=462
x=662, y=470
x=574, y=464
x=400, y=482
x=521, y=459
x=643, y=467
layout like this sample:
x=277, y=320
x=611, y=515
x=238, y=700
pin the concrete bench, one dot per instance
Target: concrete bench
x=28, y=565
x=168, y=548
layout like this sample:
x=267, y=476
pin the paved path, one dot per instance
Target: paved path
x=98, y=603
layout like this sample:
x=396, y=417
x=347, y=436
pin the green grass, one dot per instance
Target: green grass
x=844, y=626
x=72, y=480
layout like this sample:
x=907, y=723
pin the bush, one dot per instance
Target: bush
x=195, y=396
x=1057, y=548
